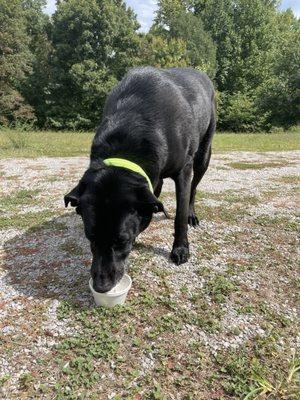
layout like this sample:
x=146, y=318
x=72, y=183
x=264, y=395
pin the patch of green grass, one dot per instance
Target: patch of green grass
x=26, y=381
x=95, y=340
x=261, y=142
x=278, y=222
x=219, y=288
x=252, y=165
x=67, y=144
x=81, y=371
x=206, y=316
x=12, y=177
x=23, y=197
x=165, y=323
x=229, y=196
x=259, y=371
x=208, y=248
x=245, y=199
x=289, y=179
x=235, y=372
x=223, y=213
x=157, y=393
x=17, y=139
x=32, y=220
x=52, y=179
x=3, y=379
x=45, y=143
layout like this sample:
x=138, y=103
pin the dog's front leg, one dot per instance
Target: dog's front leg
x=180, y=251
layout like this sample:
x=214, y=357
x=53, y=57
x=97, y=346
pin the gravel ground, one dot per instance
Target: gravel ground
x=244, y=210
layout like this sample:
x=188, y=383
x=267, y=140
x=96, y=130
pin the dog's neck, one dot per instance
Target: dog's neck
x=134, y=147
x=129, y=165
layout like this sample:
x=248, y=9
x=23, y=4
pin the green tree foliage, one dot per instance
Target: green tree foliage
x=15, y=63
x=254, y=45
x=239, y=112
x=161, y=52
x=244, y=33
x=35, y=88
x=175, y=21
x=279, y=95
x=95, y=42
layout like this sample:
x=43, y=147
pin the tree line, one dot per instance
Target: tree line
x=55, y=72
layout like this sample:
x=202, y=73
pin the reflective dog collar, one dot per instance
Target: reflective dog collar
x=122, y=163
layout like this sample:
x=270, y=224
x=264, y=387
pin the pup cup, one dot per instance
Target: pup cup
x=117, y=295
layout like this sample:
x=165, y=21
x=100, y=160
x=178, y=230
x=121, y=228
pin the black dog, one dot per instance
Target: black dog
x=163, y=121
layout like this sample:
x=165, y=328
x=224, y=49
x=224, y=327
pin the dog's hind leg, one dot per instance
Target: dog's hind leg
x=201, y=162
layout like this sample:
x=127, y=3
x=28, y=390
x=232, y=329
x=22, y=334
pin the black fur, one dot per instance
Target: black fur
x=164, y=121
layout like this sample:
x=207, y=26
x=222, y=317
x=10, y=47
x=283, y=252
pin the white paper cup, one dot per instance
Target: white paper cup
x=117, y=295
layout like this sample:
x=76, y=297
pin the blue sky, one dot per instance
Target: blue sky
x=145, y=9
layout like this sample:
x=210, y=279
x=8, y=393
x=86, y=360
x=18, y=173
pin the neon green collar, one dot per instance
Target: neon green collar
x=122, y=163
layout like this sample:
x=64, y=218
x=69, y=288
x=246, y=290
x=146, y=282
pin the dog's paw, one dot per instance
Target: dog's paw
x=180, y=255
x=193, y=220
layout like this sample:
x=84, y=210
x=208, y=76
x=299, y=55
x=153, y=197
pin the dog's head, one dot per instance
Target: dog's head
x=115, y=206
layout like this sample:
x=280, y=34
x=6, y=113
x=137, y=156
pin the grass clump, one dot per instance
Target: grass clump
x=279, y=221
x=95, y=340
x=18, y=199
x=220, y=288
x=204, y=315
x=223, y=213
x=289, y=179
x=250, y=165
x=235, y=371
x=28, y=220
x=16, y=139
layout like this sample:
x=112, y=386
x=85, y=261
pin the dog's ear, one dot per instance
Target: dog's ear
x=148, y=203
x=74, y=196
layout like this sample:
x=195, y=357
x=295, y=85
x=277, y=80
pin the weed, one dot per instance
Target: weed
x=236, y=369
x=286, y=388
x=26, y=381
x=165, y=323
x=4, y=379
x=81, y=371
x=224, y=213
x=157, y=393
x=219, y=288
x=205, y=316
x=17, y=139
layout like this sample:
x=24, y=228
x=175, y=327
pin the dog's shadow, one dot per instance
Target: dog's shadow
x=52, y=260
x=154, y=249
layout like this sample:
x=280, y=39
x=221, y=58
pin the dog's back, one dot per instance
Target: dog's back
x=160, y=115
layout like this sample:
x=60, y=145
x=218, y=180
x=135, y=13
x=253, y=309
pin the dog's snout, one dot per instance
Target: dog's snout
x=102, y=288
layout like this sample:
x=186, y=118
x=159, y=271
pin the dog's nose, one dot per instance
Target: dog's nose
x=100, y=288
